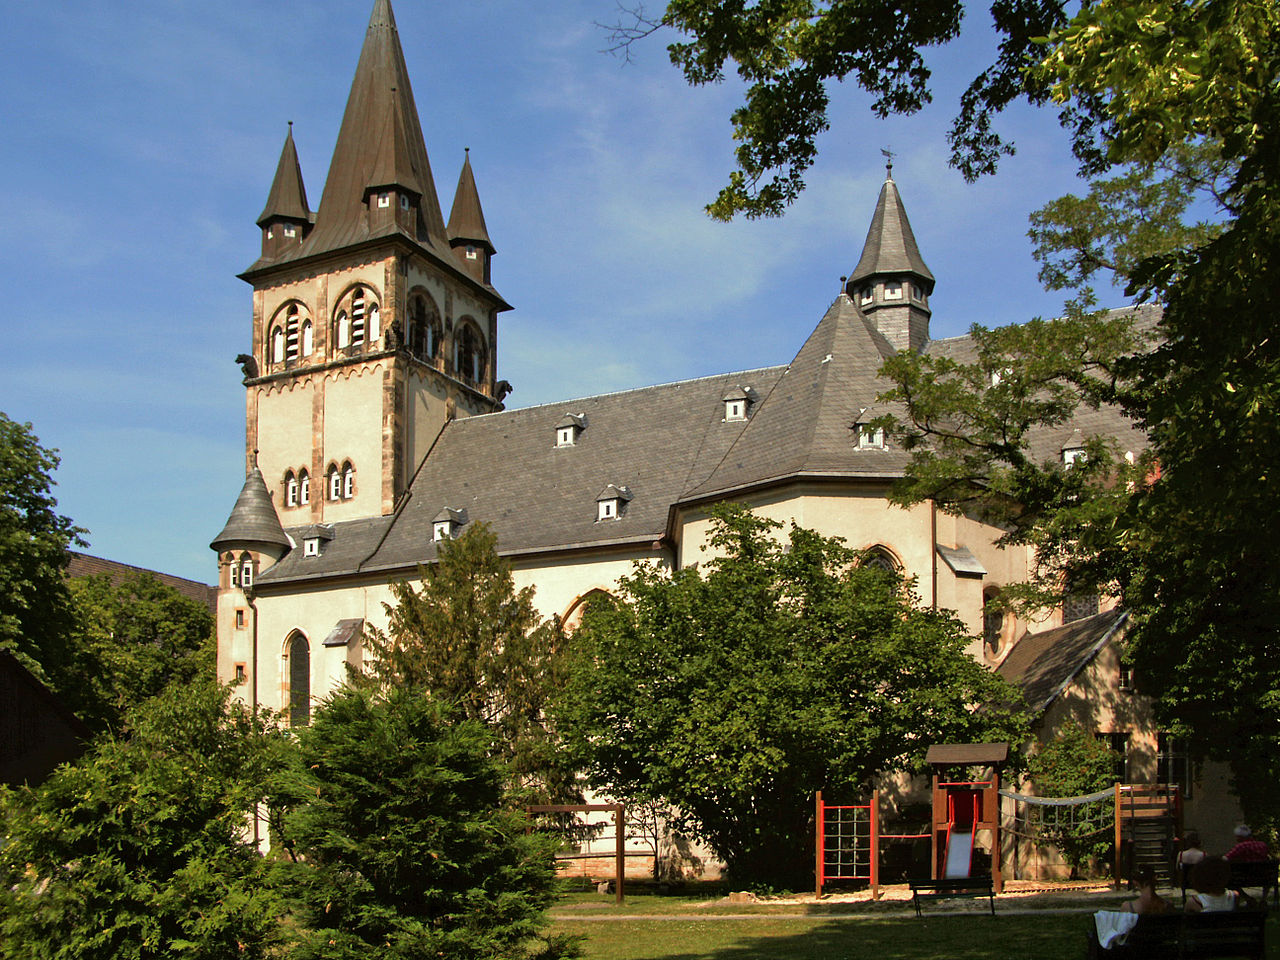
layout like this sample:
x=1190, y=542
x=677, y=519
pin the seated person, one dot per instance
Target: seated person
x=1148, y=901
x=1210, y=877
x=1191, y=852
x=1247, y=849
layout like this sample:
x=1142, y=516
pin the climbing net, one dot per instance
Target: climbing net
x=1050, y=818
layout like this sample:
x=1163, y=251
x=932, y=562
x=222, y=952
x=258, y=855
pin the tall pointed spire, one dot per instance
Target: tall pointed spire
x=890, y=246
x=288, y=197
x=468, y=234
x=891, y=283
x=380, y=138
x=466, y=219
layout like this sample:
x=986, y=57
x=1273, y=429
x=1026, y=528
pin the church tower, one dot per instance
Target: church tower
x=891, y=284
x=372, y=328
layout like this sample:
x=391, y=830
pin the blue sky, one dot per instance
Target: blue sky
x=140, y=141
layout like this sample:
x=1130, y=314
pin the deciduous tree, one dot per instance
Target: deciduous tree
x=139, y=850
x=734, y=691
x=1074, y=763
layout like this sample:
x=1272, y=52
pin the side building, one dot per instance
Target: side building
x=375, y=429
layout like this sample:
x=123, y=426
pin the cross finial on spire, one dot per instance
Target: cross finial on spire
x=888, y=163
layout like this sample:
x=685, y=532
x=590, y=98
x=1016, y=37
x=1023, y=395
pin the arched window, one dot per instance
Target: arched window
x=348, y=481
x=879, y=556
x=992, y=621
x=304, y=487
x=469, y=358
x=375, y=324
x=277, y=344
x=291, y=332
x=573, y=616
x=343, y=330
x=357, y=320
x=234, y=566
x=308, y=338
x=335, y=483
x=424, y=327
x=298, y=654
x=246, y=571
x=290, y=489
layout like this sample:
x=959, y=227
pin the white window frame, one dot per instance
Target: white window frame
x=565, y=436
x=311, y=547
x=607, y=510
x=335, y=484
x=246, y=573
x=1072, y=455
x=893, y=291
x=290, y=490
x=304, y=488
x=735, y=410
x=443, y=531
x=384, y=199
x=869, y=439
x=277, y=344
x=348, y=482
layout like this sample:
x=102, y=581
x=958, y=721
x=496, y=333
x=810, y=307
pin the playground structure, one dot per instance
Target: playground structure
x=965, y=811
x=971, y=816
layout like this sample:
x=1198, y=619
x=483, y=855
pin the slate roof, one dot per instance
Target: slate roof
x=1043, y=665
x=667, y=445
x=83, y=565
x=253, y=519
x=891, y=245
x=288, y=197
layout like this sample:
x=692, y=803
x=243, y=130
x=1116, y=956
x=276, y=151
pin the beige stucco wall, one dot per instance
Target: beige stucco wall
x=353, y=420
x=284, y=425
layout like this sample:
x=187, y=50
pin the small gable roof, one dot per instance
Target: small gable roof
x=1043, y=665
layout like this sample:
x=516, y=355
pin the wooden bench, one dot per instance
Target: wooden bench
x=956, y=887
x=1262, y=874
x=1240, y=933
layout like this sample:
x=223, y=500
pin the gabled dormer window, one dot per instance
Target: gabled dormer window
x=314, y=538
x=570, y=428
x=1070, y=455
x=612, y=502
x=447, y=523
x=869, y=437
x=738, y=402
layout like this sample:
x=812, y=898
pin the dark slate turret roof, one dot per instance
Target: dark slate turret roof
x=804, y=425
x=392, y=163
x=466, y=219
x=288, y=197
x=253, y=519
x=891, y=246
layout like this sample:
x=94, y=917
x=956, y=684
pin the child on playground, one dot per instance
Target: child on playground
x=1148, y=901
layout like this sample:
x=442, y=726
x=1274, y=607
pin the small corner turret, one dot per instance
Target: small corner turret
x=891, y=283
x=468, y=235
x=285, y=220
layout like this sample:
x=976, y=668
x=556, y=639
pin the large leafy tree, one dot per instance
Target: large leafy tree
x=35, y=610
x=734, y=691
x=465, y=635
x=129, y=641
x=402, y=839
x=139, y=850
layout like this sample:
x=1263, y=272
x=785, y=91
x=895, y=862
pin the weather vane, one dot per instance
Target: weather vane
x=888, y=160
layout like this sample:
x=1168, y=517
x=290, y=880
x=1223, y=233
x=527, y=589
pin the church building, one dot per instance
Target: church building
x=375, y=428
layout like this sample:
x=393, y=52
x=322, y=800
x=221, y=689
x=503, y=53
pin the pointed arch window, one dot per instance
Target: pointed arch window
x=304, y=487
x=881, y=557
x=469, y=359
x=290, y=489
x=335, y=483
x=298, y=653
x=424, y=327
x=308, y=338
x=375, y=324
x=348, y=481
x=277, y=344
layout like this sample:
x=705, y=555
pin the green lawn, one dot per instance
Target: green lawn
x=1039, y=937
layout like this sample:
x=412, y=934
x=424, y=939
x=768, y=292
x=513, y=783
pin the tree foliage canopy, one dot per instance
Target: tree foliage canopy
x=1074, y=763
x=468, y=637
x=35, y=611
x=139, y=850
x=733, y=694
x=406, y=844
